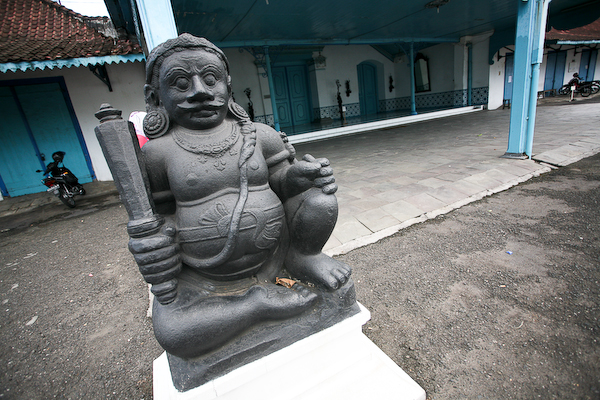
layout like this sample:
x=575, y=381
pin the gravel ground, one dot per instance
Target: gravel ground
x=496, y=300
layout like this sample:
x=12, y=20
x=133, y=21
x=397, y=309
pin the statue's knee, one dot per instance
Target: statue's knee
x=312, y=207
x=315, y=199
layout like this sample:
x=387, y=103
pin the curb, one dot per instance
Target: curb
x=377, y=236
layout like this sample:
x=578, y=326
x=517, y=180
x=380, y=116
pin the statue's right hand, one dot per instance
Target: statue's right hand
x=159, y=261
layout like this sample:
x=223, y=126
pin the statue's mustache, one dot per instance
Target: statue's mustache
x=213, y=105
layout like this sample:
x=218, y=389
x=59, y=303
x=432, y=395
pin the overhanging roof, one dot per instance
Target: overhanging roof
x=240, y=23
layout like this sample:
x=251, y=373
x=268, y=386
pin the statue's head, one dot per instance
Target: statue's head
x=188, y=83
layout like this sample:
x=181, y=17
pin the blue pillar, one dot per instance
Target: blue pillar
x=470, y=74
x=531, y=23
x=272, y=89
x=413, y=103
x=158, y=22
x=536, y=60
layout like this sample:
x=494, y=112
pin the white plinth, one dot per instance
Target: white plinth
x=337, y=363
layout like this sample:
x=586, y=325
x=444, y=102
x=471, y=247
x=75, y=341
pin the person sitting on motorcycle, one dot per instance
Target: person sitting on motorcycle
x=576, y=81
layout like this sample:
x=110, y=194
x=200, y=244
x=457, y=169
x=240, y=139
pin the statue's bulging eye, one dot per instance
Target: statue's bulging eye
x=182, y=83
x=210, y=79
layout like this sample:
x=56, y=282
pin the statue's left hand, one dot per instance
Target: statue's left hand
x=310, y=172
x=158, y=258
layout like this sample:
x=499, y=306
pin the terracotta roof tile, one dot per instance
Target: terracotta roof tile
x=587, y=32
x=39, y=30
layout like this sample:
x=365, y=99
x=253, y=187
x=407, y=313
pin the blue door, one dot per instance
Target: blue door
x=297, y=85
x=555, y=70
x=588, y=64
x=367, y=88
x=292, y=95
x=509, y=76
x=37, y=121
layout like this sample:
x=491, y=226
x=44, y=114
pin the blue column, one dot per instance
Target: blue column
x=536, y=60
x=470, y=74
x=272, y=89
x=158, y=22
x=531, y=23
x=413, y=103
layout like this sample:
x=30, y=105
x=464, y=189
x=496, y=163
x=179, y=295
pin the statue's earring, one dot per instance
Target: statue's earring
x=237, y=111
x=156, y=123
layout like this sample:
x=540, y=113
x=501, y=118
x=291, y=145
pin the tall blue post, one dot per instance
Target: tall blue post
x=470, y=74
x=536, y=60
x=413, y=102
x=272, y=89
x=531, y=23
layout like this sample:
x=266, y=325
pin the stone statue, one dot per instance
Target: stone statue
x=237, y=214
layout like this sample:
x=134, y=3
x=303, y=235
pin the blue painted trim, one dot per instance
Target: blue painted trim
x=3, y=188
x=70, y=62
x=272, y=89
x=578, y=42
x=341, y=42
x=413, y=103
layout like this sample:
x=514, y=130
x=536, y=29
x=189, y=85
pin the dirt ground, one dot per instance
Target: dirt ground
x=496, y=300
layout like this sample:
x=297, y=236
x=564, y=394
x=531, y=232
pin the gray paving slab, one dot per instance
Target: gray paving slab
x=436, y=166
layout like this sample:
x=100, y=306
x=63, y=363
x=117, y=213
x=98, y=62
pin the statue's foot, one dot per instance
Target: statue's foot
x=279, y=302
x=318, y=268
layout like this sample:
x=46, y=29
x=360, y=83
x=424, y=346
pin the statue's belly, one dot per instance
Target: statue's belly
x=204, y=229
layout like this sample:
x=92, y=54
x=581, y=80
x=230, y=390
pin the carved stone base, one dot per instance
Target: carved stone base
x=339, y=362
x=264, y=339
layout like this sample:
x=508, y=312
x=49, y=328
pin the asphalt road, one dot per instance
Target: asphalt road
x=496, y=300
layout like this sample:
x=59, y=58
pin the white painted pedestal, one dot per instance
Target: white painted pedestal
x=339, y=362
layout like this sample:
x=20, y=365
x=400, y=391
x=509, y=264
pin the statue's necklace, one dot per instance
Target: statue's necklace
x=198, y=144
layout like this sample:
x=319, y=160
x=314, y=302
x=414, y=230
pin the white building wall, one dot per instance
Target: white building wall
x=480, y=52
x=459, y=63
x=572, y=64
x=245, y=74
x=87, y=93
x=441, y=67
x=497, y=77
x=342, y=62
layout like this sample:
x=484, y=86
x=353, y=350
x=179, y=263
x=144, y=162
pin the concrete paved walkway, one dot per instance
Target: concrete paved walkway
x=391, y=179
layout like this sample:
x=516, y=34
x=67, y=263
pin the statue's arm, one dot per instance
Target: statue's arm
x=154, y=157
x=287, y=176
x=157, y=255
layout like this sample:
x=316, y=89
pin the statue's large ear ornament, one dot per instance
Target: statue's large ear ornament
x=237, y=111
x=156, y=123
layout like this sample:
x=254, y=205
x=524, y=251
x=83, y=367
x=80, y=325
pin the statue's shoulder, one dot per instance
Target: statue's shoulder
x=274, y=144
x=158, y=148
x=265, y=133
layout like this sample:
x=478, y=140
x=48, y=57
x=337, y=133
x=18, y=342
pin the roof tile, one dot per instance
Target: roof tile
x=587, y=32
x=37, y=30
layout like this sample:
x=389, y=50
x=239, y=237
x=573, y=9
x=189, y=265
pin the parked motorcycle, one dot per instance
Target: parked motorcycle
x=583, y=88
x=62, y=182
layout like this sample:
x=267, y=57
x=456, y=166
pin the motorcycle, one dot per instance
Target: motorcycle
x=584, y=88
x=62, y=182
